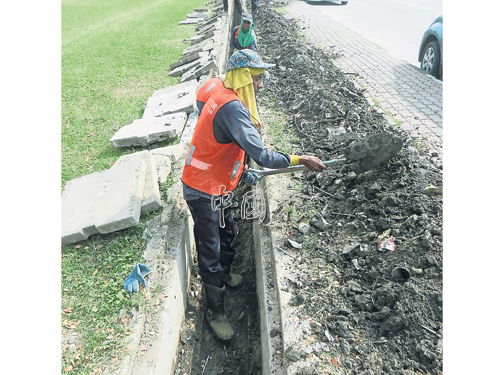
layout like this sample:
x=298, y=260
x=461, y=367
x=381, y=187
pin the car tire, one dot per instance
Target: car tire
x=431, y=59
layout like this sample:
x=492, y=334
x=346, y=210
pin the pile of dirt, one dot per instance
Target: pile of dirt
x=358, y=309
x=378, y=311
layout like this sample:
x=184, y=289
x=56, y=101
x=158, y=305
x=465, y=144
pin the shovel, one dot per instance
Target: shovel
x=361, y=156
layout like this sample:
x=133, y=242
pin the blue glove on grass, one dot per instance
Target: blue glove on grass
x=131, y=284
x=249, y=178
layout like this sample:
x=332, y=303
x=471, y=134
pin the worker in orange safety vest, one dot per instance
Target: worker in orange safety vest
x=224, y=137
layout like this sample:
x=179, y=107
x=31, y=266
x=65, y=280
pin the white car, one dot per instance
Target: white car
x=343, y=2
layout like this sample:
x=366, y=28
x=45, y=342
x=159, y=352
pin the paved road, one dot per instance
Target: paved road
x=396, y=25
x=401, y=89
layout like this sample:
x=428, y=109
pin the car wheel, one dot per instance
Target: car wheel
x=431, y=59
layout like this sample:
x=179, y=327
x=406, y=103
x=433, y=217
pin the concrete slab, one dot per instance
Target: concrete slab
x=210, y=21
x=148, y=130
x=214, y=26
x=200, y=37
x=179, y=98
x=103, y=202
x=173, y=152
x=175, y=89
x=163, y=167
x=204, y=46
x=121, y=207
x=203, y=15
x=188, y=58
x=180, y=70
x=194, y=73
x=77, y=206
x=151, y=199
x=187, y=134
x=191, y=21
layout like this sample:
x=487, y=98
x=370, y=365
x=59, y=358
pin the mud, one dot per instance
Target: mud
x=349, y=308
x=199, y=349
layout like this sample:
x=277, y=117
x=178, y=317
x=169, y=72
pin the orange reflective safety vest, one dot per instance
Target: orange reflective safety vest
x=209, y=88
x=211, y=167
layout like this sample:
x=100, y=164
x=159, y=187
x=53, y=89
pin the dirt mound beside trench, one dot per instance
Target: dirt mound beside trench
x=344, y=310
x=347, y=310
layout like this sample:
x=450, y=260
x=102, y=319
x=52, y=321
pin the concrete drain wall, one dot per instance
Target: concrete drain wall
x=267, y=292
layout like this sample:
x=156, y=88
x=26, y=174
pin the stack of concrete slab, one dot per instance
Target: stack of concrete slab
x=164, y=117
x=199, y=57
x=196, y=16
x=114, y=199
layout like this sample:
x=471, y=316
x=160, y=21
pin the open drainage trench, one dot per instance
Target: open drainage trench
x=344, y=309
x=199, y=349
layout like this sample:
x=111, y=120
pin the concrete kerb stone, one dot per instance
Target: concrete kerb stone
x=214, y=19
x=163, y=167
x=145, y=131
x=103, y=202
x=187, y=59
x=199, y=71
x=169, y=255
x=180, y=70
x=151, y=199
x=174, y=152
x=211, y=27
x=199, y=38
x=269, y=298
x=128, y=170
x=203, y=46
x=179, y=98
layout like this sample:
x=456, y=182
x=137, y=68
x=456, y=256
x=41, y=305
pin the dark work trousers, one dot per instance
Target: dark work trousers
x=210, y=237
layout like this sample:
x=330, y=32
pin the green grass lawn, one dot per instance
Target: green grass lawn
x=114, y=55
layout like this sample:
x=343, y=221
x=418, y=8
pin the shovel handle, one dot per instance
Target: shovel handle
x=262, y=173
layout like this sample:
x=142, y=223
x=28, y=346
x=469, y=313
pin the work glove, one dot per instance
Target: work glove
x=131, y=283
x=249, y=178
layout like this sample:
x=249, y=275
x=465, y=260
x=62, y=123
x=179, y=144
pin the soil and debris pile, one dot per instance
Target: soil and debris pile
x=377, y=307
x=366, y=275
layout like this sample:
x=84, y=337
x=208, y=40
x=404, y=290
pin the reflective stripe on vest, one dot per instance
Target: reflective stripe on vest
x=209, y=164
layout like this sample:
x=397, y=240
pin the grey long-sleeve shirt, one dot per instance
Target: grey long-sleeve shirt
x=232, y=123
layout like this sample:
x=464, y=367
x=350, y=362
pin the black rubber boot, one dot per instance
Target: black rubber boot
x=230, y=279
x=215, y=312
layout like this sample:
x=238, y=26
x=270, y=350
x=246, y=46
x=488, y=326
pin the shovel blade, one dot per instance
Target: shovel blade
x=372, y=151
